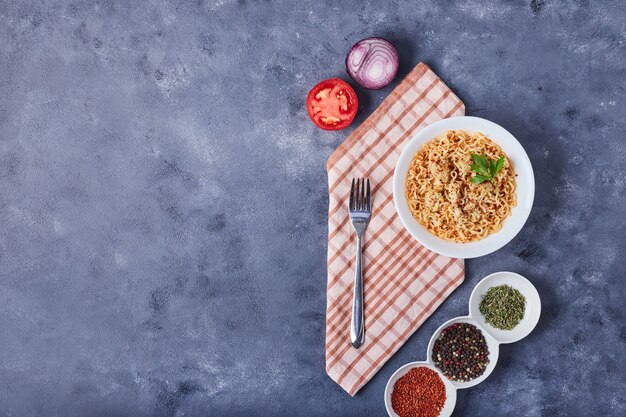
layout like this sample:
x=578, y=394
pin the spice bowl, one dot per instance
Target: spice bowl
x=472, y=342
x=532, y=309
x=492, y=346
x=450, y=402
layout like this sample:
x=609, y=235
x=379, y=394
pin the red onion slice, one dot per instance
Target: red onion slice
x=373, y=63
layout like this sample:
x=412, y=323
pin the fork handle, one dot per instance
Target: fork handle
x=357, y=326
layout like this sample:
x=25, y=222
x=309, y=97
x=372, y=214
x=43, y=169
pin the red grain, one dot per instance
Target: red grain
x=418, y=393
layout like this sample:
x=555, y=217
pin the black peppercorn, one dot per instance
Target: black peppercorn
x=461, y=352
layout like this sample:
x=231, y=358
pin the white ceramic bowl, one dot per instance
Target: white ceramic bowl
x=493, y=337
x=531, y=312
x=525, y=188
x=448, y=406
x=492, y=345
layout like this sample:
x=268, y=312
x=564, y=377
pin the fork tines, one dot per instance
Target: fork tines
x=360, y=195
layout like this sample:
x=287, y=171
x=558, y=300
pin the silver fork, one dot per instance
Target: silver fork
x=360, y=211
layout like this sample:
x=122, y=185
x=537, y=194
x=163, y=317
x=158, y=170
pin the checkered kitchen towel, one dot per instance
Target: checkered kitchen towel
x=403, y=282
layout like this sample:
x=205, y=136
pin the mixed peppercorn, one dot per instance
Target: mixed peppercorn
x=461, y=352
x=419, y=393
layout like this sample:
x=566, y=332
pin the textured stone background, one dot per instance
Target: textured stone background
x=163, y=203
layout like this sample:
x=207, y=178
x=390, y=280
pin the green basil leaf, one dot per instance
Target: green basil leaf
x=479, y=169
x=479, y=179
x=484, y=162
x=492, y=167
x=499, y=165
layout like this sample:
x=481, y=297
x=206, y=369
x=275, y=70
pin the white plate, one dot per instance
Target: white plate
x=525, y=188
x=531, y=312
x=448, y=406
x=492, y=345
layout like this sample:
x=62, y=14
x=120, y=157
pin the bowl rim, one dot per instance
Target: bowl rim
x=492, y=343
x=492, y=242
x=451, y=390
x=532, y=315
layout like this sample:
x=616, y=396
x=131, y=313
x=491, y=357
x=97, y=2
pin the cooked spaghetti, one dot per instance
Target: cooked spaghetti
x=441, y=196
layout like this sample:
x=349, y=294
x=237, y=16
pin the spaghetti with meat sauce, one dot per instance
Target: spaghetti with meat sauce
x=441, y=196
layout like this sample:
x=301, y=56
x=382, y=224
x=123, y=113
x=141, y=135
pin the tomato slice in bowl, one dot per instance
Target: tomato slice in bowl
x=332, y=104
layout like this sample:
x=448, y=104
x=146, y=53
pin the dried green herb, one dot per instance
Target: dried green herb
x=503, y=307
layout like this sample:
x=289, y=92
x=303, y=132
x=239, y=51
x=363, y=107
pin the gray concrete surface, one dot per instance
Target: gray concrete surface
x=163, y=201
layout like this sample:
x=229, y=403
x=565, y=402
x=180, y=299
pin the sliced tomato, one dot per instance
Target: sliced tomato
x=332, y=104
